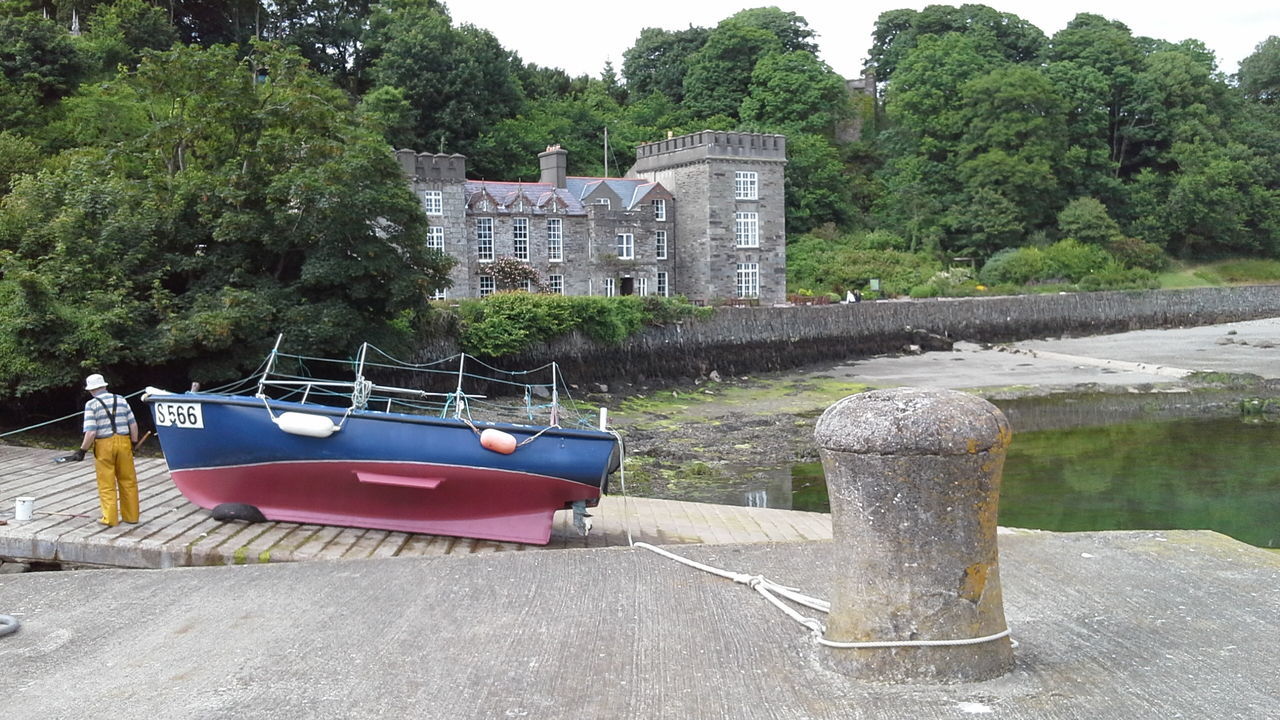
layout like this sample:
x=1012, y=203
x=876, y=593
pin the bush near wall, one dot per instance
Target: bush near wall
x=508, y=323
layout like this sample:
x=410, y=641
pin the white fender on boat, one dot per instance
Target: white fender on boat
x=498, y=441
x=296, y=423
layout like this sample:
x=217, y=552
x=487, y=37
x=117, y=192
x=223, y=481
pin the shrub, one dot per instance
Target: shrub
x=824, y=266
x=1015, y=266
x=1088, y=221
x=1133, y=252
x=1118, y=277
x=507, y=323
x=1072, y=260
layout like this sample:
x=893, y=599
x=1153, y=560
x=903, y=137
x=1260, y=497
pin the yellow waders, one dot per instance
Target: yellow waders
x=113, y=461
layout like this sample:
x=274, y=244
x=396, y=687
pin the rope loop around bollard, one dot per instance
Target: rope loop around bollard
x=8, y=625
x=770, y=590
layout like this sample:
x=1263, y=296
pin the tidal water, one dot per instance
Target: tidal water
x=1218, y=473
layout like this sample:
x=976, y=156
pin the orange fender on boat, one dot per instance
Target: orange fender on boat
x=498, y=441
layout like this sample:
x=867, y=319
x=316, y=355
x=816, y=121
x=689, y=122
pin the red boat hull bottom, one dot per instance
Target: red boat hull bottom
x=408, y=497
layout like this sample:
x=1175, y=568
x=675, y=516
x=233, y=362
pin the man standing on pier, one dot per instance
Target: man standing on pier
x=110, y=430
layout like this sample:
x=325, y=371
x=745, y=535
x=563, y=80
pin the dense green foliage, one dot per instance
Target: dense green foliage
x=506, y=323
x=201, y=213
x=173, y=193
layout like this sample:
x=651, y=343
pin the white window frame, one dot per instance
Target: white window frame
x=555, y=240
x=520, y=238
x=609, y=287
x=626, y=245
x=603, y=201
x=660, y=245
x=642, y=286
x=747, y=283
x=485, y=287
x=435, y=238
x=555, y=284
x=439, y=294
x=746, y=229
x=660, y=210
x=662, y=288
x=433, y=202
x=746, y=185
x=484, y=239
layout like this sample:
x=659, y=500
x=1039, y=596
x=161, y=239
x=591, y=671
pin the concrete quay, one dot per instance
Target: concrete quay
x=175, y=533
x=1123, y=625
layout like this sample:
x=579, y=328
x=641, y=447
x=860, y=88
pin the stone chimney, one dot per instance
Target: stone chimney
x=555, y=165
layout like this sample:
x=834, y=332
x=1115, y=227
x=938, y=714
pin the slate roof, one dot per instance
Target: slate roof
x=536, y=195
x=630, y=190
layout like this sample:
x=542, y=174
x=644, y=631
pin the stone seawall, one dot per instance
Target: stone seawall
x=737, y=341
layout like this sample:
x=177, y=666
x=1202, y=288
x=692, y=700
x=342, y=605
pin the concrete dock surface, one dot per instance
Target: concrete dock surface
x=1176, y=624
x=1159, y=624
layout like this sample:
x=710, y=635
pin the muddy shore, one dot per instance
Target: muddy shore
x=768, y=419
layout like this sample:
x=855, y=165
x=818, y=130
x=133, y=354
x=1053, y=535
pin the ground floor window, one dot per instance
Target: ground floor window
x=609, y=287
x=748, y=280
x=486, y=285
x=555, y=284
x=661, y=285
x=642, y=286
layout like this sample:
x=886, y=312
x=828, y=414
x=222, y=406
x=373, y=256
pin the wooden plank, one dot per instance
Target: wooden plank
x=175, y=532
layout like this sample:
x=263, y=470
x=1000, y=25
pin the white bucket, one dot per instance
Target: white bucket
x=22, y=508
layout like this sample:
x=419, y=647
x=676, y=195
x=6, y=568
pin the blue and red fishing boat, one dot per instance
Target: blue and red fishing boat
x=303, y=446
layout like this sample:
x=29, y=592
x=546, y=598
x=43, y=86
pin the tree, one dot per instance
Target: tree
x=796, y=92
x=1014, y=134
x=117, y=34
x=39, y=65
x=1259, y=74
x=235, y=210
x=1215, y=204
x=459, y=81
x=1087, y=220
x=897, y=32
x=818, y=189
x=720, y=72
x=329, y=34
x=659, y=60
x=791, y=30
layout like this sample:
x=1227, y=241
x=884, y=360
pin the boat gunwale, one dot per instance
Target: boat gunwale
x=378, y=415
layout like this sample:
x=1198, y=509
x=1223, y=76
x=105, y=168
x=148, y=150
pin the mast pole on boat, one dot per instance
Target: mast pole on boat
x=458, y=396
x=555, y=395
x=271, y=362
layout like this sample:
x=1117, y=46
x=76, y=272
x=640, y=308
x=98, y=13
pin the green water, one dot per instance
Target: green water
x=1219, y=474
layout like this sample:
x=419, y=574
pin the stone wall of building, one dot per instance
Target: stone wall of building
x=699, y=169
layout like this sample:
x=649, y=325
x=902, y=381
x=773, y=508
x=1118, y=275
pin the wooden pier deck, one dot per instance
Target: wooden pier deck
x=174, y=532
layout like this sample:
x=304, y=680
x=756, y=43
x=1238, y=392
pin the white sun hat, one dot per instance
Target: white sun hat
x=94, y=381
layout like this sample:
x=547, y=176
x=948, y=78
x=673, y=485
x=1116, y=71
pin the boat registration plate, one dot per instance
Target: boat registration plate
x=183, y=415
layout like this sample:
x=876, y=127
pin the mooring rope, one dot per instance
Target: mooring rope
x=773, y=591
x=8, y=625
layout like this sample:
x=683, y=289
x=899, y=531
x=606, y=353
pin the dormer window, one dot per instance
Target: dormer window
x=602, y=201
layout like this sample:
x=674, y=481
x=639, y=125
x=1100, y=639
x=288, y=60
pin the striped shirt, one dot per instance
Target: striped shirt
x=98, y=420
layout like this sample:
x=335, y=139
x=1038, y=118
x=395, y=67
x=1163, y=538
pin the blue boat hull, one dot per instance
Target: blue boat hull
x=380, y=470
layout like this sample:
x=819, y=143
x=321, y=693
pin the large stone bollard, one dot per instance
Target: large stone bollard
x=914, y=480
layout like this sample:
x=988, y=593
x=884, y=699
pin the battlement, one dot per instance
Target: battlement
x=708, y=144
x=433, y=167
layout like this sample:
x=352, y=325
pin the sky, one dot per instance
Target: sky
x=579, y=36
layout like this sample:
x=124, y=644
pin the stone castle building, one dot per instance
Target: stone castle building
x=699, y=215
